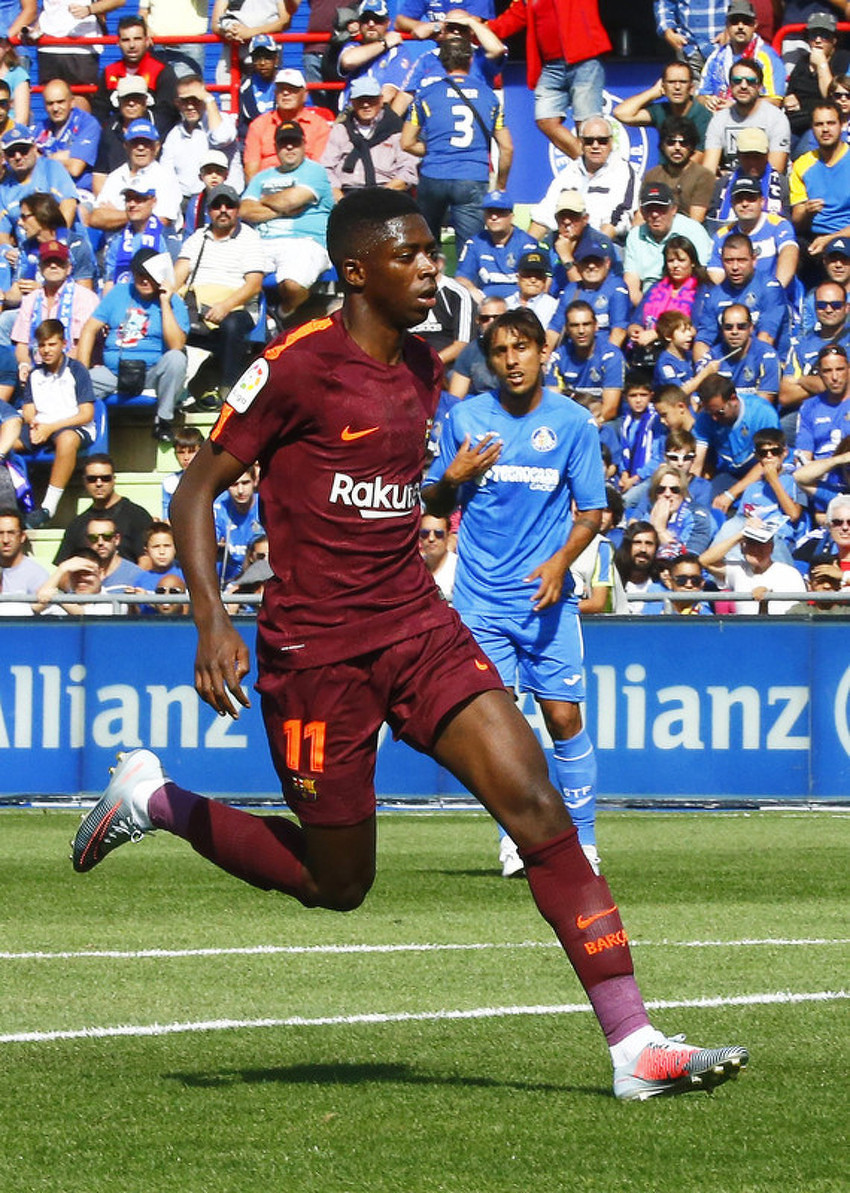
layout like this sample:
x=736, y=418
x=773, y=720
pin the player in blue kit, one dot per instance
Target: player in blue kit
x=516, y=461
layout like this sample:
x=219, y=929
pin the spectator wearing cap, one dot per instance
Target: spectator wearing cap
x=143, y=229
x=692, y=185
x=179, y=18
x=606, y=182
x=724, y=430
x=643, y=257
x=572, y=232
x=604, y=290
x=202, y=127
x=290, y=95
x=836, y=266
x=376, y=51
x=800, y=378
x=256, y=91
x=58, y=297
x=223, y=264
x=214, y=170
x=237, y=23
x=534, y=273
x=772, y=236
x=487, y=263
x=670, y=96
x=749, y=109
x=563, y=44
x=130, y=101
x=364, y=146
x=136, y=58
x=143, y=320
x=757, y=573
x=752, y=365
x=453, y=177
x=289, y=205
x=752, y=145
x=26, y=172
x=40, y=220
x=820, y=184
x=68, y=135
x=587, y=365
x=812, y=76
x=141, y=173
x=741, y=41
x=764, y=297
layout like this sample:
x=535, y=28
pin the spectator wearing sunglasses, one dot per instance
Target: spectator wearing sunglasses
x=104, y=538
x=603, y=179
x=752, y=364
x=679, y=168
x=686, y=577
x=680, y=523
x=772, y=236
x=471, y=373
x=437, y=553
x=741, y=41
x=749, y=109
x=768, y=492
x=800, y=378
x=824, y=418
x=131, y=520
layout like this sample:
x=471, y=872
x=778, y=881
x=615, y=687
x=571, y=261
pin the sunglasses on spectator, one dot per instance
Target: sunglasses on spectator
x=223, y=203
x=679, y=457
x=770, y=450
x=835, y=95
x=161, y=591
x=839, y=522
x=458, y=30
x=18, y=150
x=487, y=318
x=92, y=478
x=744, y=80
x=669, y=489
x=687, y=580
x=437, y=534
x=675, y=141
x=741, y=20
x=107, y=536
x=598, y=140
x=4, y=103
x=371, y=18
x=830, y=304
x=735, y=326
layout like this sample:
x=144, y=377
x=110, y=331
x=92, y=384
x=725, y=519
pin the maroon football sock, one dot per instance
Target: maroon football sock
x=265, y=851
x=580, y=908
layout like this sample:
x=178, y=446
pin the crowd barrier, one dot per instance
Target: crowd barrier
x=680, y=709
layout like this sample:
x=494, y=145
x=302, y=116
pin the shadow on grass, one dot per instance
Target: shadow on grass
x=361, y=1074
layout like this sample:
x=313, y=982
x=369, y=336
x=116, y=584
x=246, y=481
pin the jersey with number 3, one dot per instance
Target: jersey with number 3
x=456, y=144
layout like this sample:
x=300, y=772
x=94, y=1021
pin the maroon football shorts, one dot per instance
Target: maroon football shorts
x=322, y=723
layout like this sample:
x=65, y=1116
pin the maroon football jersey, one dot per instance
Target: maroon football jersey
x=340, y=438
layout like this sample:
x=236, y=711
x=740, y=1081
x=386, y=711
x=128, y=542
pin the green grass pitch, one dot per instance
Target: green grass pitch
x=731, y=915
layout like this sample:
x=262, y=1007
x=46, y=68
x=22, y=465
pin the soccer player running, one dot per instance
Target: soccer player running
x=516, y=460
x=353, y=632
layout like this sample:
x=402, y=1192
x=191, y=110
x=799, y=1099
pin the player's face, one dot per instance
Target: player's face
x=398, y=275
x=11, y=541
x=517, y=361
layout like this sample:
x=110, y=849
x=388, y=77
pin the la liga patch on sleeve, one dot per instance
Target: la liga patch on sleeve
x=248, y=385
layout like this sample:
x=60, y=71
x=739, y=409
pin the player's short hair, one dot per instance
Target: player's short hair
x=360, y=219
x=521, y=321
x=47, y=329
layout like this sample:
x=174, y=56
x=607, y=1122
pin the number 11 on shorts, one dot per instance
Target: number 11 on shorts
x=313, y=733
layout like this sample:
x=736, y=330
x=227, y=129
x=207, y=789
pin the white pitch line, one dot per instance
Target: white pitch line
x=380, y=1018
x=331, y=949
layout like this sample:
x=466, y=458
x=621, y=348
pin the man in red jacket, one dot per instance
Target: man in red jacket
x=137, y=59
x=564, y=40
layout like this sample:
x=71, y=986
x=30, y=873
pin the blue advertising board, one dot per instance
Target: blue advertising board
x=738, y=708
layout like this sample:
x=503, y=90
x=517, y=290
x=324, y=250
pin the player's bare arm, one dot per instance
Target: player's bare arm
x=471, y=461
x=551, y=574
x=222, y=660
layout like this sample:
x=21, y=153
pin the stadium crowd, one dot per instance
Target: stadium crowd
x=700, y=312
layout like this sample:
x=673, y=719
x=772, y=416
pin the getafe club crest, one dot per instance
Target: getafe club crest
x=544, y=439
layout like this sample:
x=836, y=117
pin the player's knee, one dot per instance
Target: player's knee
x=346, y=895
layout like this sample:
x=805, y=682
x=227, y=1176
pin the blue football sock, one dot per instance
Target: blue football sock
x=575, y=767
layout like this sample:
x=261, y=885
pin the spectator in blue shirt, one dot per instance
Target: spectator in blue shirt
x=605, y=291
x=588, y=365
x=764, y=297
x=824, y=418
x=68, y=134
x=487, y=264
x=725, y=427
x=772, y=236
x=768, y=492
x=752, y=365
x=642, y=437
